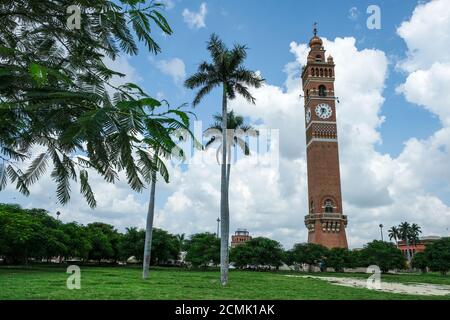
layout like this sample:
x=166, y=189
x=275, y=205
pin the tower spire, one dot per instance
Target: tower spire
x=315, y=28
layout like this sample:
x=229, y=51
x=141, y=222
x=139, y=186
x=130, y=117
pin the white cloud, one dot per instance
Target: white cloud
x=174, y=68
x=427, y=35
x=195, y=20
x=122, y=64
x=430, y=89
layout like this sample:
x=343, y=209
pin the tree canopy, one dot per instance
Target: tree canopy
x=438, y=255
x=383, y=254
x=309, y=253
x=258, y=251
x=58, y=102
x=27, y=234
x=202, y=248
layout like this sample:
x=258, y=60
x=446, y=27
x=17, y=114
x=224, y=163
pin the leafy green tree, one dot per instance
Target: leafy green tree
x=438, y=255
x=258, y=251
x=202, y=248
x=52, y=239
x=33, y=233
x=309, y=253
x=227, y=71
x=57, y=93
x=165, y=246
x=30, y=233
x=383, y=254
x=77, y=242
x=131, y=243
x=355, y=259
x=420, y=261
x=338, y=259
x=242, y=255
x=289, y=257
x=18, y=234
x=104, y=240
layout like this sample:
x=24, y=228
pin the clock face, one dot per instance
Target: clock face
x=308, y=115
x=323, y=111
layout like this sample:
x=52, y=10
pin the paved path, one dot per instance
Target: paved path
x=395, y=287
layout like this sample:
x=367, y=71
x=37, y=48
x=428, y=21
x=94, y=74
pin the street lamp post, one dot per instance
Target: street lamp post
x=218, y=221
x=57, y=215
x=381, y=231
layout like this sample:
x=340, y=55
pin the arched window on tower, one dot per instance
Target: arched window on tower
x=328, y=206
x=318, y=58
x=311, y=207
x=322, y=91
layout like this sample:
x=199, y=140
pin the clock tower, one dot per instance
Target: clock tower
x=325, y=220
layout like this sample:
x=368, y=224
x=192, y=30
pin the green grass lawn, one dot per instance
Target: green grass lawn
x=44, y=282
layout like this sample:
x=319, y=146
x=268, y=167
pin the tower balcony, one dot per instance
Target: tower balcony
x=329, y=222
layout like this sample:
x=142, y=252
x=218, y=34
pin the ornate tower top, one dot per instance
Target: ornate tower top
x=315, y=41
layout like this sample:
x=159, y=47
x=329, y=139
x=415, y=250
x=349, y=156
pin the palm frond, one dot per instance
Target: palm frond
x=86, y=190
x=237, y=56
x=247, y=77
x=243, y=91
x=36, y=169
x=202, y=93
x=3, y=176
x=197, y=80
x=217, y=49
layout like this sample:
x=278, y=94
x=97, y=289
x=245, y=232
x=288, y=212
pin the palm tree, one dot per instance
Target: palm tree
x=150, y=162
x=237, y=130
x=180, y=238
x=394, y=234
x=410, y=234
x=227, y=71
x=404, y=231
x=415, y=230
x=150, y=216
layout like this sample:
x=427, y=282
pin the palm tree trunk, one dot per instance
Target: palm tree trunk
x=228, y=175
x=224, y=215
x=408, y=255
x=149, y=227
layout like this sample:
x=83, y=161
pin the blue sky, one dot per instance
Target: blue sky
x=393, y=119
x=268, y=27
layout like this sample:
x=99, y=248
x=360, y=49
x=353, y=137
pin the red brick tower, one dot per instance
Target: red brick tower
x=325, y=220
